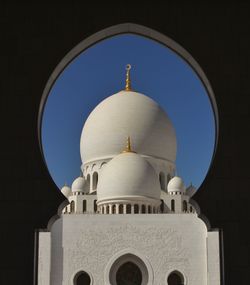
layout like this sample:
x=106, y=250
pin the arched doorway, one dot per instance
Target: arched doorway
x=129, y=273
x=82, y=278
x=128, y=269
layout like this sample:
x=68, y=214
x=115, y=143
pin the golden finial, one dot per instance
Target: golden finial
x=128, y=146
x=128, y=82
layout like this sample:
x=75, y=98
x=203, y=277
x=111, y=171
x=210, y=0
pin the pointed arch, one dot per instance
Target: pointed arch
x=129, y=269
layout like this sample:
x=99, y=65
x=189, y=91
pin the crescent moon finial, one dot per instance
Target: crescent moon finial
x=128, y=81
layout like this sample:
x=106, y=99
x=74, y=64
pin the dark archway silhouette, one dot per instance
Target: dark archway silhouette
x=172, y=205
x=175, y=278
x=136, y=208
x=84, y=206
x=184, y=206
x=95, y=180
x=129, y=273
x=128, y=209
x=82, y=278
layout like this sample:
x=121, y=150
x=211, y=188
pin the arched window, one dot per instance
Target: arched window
x=128, y=269
x=95, y=180
x=88, y=181
x=120, y=209
x=113, y=209
x=82, y=278
x=72, y=207
x=84, y=206
x=191, y=209
x=136, y=209
x=162, y=180
x=149, y=209
x=143, y=209
x=95, y=206
x=129, y=273
x=175, y=278
x=128, y=210
x=172, y=205
x=107, y=210
x=184, y=206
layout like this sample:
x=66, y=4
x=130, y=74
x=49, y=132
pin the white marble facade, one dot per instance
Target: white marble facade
x=129, y=219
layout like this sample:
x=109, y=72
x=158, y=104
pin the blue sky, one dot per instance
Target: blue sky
x=99, y=72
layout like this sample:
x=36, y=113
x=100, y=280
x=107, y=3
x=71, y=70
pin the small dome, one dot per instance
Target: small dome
x=79, y=184
x=176, y=184
x=66, y=191
x=128, y=113
x=127, y=176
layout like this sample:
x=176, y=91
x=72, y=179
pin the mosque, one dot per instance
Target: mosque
x=129, y=219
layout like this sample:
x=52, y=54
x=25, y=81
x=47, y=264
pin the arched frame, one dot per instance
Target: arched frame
x=123, y=256
x=128, y=28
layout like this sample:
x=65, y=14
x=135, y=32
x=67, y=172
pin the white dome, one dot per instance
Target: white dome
x=66, y=191
x=126, y=176
x=78, y=185
x=176, y=184
x=126, y=114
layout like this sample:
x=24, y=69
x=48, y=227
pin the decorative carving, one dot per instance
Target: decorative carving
x=91, y=248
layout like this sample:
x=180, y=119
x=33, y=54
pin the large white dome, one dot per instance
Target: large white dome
x=124, y=114
x=126, y=176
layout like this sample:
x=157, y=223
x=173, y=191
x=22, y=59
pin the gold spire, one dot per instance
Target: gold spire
x=128, y=82
x=128, y=146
